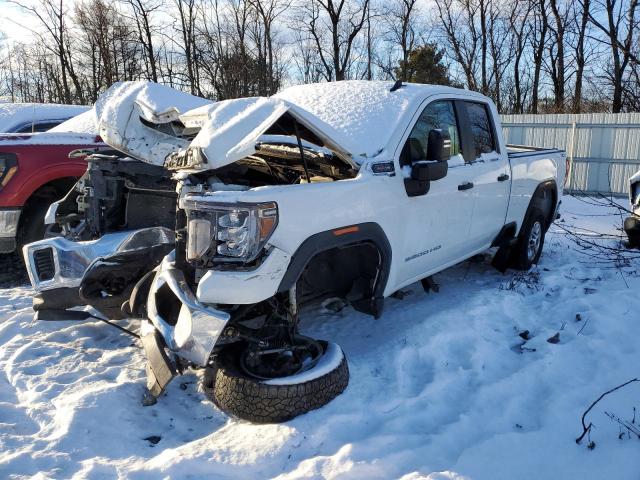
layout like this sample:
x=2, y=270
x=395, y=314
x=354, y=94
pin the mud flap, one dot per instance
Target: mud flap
x=501, y=259
x=160, y=368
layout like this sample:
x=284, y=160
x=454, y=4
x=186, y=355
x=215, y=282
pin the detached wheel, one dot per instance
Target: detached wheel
x=239, y=386
x=528, y=249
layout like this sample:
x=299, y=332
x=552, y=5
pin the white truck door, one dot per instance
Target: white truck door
x=491, y=174
x=437, y=223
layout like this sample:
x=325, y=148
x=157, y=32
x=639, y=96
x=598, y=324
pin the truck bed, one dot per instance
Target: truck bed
x=519, y=151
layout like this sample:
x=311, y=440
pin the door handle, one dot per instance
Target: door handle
x=503, y=178
x=465, y=186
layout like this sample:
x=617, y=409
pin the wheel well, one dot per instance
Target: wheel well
x=348, y=272
x=545, y=199
x=44, y=195
x=356, y=258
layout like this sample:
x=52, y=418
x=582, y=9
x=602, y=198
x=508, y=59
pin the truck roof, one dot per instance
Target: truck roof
x=14, y=115
x=364, y=113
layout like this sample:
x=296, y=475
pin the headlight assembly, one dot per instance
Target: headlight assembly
x=223, y=232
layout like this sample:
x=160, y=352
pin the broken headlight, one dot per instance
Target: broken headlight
x=223, y=232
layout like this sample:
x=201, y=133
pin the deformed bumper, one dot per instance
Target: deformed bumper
x=57, y=262
x=189, y=328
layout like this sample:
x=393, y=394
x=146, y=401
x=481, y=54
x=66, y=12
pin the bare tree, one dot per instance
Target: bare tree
x=186, y=28
x=143, y=11
x=342, y=21
x=520, y=30
x=557, y=62
x=52, y=16
x=539, y=42
x=401, y=20
x=266, y=13
x=620, y=30
x=582, y=21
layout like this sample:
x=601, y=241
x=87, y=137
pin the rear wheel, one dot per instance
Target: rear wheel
x=530, y=242
x=276, y=385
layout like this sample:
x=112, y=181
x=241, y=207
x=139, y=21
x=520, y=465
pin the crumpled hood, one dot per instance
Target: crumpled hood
x=227, y=131
x=120, y=109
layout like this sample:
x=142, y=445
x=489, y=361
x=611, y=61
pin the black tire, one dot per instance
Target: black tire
x=32, y=227
x=632, y=228
x=260, y=401
x=528, y=248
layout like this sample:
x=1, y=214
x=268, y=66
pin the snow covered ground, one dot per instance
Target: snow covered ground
x=441, y=387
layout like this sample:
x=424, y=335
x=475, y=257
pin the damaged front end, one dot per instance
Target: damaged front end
x=114, y=225
x=165, y=231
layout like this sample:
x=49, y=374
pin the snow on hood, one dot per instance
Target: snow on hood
x=231, y=129
x=227, y=131
x=120, y=109
x=15, y=115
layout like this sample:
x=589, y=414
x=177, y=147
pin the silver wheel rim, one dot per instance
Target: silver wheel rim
x=533, y=245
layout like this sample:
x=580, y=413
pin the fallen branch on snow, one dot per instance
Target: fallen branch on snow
x=587, y=428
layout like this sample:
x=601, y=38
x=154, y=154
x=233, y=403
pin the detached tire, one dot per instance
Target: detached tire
x=276, y=400
x=528, y=249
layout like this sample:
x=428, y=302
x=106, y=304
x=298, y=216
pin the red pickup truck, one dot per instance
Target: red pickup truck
x=35, y=170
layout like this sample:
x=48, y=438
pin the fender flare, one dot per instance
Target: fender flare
x=369, y=232
x=550, y=185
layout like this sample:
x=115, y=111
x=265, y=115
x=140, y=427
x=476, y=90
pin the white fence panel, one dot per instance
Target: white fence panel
x=603, y=148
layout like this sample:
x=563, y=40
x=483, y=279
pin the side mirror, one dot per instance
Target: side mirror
x=438, y=146
x=422, y=173
x=427, y=171
x=434, y=167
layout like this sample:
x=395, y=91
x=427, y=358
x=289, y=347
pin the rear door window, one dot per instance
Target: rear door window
x=38, y=127
x=481, y=127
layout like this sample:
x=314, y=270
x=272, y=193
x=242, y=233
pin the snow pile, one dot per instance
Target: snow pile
x=442, y=386
x=15, y=115
x=84, y=123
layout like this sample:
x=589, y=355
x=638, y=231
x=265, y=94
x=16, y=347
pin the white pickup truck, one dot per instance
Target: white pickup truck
x=352, y=190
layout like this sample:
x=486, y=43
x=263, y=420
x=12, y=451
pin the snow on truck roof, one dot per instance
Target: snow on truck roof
x=78, y=130
x=14, y=115
x=365, y=113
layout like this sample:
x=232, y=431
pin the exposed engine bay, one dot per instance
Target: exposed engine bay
x=281, y=164
x=115, y=194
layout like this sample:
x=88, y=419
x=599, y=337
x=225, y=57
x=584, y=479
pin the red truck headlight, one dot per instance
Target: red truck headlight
x=228, y=232
x=8, y=167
